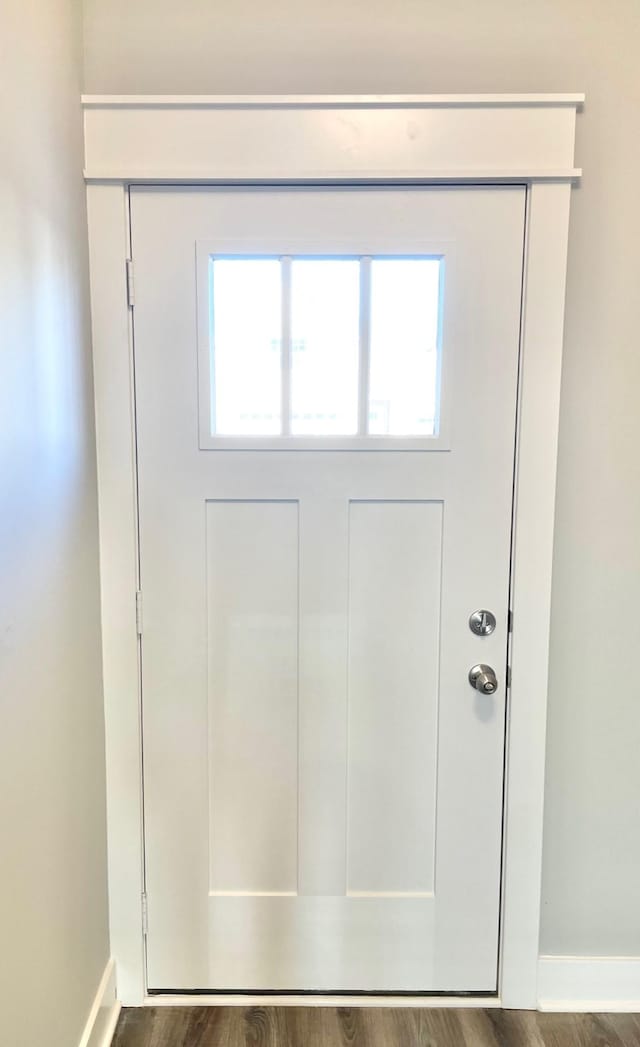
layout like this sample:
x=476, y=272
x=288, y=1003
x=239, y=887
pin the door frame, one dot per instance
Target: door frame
x=338, y=140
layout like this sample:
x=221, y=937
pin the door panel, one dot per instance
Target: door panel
x=393, y=633
x=252, y=621
x=322, y=786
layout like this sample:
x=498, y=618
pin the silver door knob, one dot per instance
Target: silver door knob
x=483, y=678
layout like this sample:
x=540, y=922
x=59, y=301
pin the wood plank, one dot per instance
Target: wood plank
x=369, y=1027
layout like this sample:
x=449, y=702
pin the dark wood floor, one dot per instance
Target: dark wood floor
x=369, y=1027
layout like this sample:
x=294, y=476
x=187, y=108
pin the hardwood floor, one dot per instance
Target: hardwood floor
x=369, y=1027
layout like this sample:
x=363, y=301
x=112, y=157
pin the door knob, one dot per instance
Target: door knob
x=483, y=678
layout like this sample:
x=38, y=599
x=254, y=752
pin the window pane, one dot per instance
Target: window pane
x=325, y=340
x=246, y=302
x=405, y=295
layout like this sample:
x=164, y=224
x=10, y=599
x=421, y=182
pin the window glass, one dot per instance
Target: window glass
x=325, y=346
x=326, y=340
x=403, y=374
x=246, y=299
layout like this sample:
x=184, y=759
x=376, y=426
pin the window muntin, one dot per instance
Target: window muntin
x=325, y=346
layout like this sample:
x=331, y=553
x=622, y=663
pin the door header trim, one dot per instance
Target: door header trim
x=368, y=139
x=324, y=101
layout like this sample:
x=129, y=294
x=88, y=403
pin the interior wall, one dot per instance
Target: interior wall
x=53, y=896
x=592, y=829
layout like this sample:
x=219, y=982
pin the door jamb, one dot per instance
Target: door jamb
x=532, y=137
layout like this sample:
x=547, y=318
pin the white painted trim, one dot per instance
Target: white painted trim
x=323, y=138
x=114, y=140
x=589, y=983
x=107, y=210
x=303, y=1000
x=323, y=101
x=103, y=1016
x=498, y=176
x=534, y=518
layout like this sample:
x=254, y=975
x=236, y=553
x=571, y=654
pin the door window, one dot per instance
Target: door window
x=320, y=347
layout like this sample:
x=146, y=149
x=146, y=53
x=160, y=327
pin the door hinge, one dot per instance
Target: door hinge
x=131, y=297
x=509, y=621
x=139, y=612
x=508, y=676
x=145, y=916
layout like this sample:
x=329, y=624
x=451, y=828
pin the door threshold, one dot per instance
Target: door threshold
x=316, y=999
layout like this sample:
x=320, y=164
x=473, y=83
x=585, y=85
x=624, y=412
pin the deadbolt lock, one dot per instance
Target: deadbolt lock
x=482, y=623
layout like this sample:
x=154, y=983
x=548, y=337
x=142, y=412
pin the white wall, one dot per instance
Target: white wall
x=592, y=839
x=53, y=906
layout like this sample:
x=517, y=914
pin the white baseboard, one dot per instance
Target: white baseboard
x=103, y=1016
x=589, y=983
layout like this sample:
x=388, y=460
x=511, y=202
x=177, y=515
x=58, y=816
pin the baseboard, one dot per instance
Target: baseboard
x=103, y=1016
x=589, y=983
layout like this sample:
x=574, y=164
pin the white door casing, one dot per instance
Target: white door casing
x=323, y=807
x=529, y=140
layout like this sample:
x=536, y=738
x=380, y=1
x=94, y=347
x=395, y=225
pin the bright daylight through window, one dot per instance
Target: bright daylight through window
x=325, y=346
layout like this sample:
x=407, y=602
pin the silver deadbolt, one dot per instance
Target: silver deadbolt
x=483, y=678
x=482, y=623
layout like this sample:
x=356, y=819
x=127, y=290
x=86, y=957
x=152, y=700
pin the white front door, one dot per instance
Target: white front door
x=325, y=405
